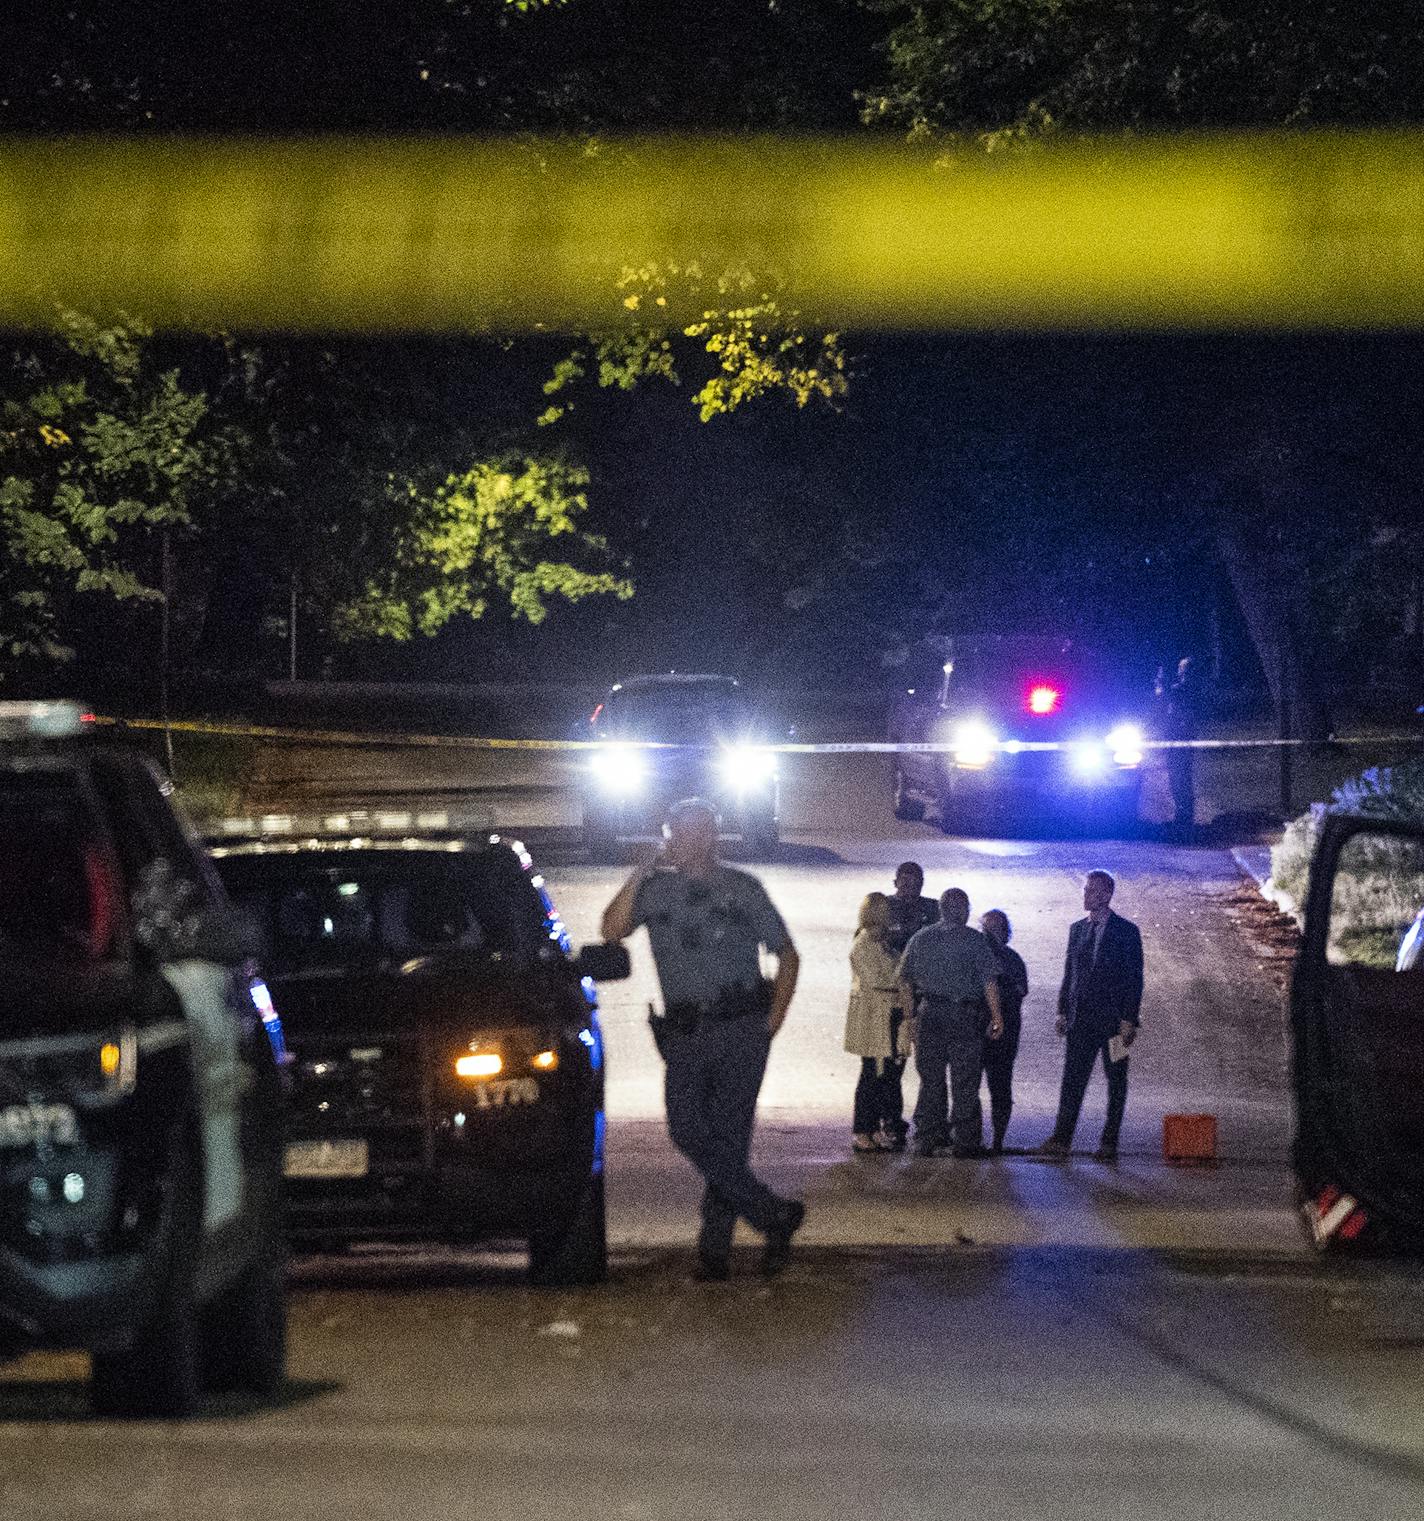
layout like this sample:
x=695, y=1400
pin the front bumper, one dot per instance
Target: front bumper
x=1049, y=776
x=84, y=1272
x=467, y=1175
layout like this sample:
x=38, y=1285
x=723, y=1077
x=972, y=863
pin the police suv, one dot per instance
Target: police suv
x=447, y=1061
x=140, y=1119
x=1016, y=727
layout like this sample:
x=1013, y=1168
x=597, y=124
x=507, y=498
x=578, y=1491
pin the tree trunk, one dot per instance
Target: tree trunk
x=1270, y=591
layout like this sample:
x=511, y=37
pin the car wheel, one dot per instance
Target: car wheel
x=574, y=1251
x=762, y=836
x=247, y=1328
x=161, y=1371
x=909, y=810
x=600, y=837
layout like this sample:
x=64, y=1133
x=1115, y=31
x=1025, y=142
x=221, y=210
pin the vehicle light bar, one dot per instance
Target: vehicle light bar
x=353, y=824
x=41, y=720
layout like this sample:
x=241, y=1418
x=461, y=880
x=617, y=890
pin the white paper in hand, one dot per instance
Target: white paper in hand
x=1117, y=1049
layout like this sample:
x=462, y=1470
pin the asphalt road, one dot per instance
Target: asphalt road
x=1000, y=1337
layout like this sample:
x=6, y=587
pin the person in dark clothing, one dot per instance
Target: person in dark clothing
x=1182, y=704
x=999, y=1054
x=1100, y=1002
x=907, y=913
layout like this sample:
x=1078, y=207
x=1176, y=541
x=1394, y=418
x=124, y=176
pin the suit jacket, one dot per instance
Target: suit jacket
x=1101, y=994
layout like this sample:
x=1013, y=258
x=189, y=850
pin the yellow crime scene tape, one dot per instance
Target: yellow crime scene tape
x=375, y=739
x=1308, y=230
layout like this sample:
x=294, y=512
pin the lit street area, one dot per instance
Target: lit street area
x=953, y=1338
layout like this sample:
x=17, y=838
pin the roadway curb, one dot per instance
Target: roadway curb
x=1254, y=862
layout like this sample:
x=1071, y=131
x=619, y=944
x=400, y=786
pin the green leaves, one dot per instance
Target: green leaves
x=98, y=449
x=756, y=343
x=481, y=534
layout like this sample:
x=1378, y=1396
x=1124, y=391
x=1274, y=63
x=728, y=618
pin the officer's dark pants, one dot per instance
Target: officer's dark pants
x=713, y=1077
x=951, y=1034
x=1183, y=785
x=999, y=1057
x=1084, y=1047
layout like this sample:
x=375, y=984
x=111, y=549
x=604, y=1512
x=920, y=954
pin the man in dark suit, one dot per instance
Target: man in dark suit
x=1101, y=998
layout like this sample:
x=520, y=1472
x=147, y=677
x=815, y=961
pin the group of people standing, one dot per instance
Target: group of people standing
x=925, y=985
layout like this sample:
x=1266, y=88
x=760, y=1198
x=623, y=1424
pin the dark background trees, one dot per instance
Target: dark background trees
x=1249, y=499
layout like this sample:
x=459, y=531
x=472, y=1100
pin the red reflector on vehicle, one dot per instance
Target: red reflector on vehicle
x=1043, y=699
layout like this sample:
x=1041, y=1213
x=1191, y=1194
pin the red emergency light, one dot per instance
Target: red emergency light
x=1043, y=699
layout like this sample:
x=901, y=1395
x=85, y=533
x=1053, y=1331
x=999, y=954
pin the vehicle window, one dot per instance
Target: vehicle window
x=1375, y=901
x=685, y=716
x=373, y=909
x=59, y=891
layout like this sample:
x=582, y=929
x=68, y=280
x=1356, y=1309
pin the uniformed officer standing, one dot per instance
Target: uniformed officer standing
x=952, y=971
x=707, y=923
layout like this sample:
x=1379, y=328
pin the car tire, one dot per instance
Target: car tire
x=160, y=1373
x=600, y=838
x=247, y=1328
x=762, y=836
x=909, y=810
x=574, y=1251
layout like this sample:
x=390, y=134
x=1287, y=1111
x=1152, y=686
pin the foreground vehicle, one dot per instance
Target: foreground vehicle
x=447, y=1063
x=663, y=738
x=1357, y=1017
x=1023, y=727
x=140, y=1114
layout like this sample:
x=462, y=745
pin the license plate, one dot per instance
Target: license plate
x=506, y=1093
x=27, y=1124
x=327, y=1159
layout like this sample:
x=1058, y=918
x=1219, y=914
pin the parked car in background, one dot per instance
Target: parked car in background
x=1023, y=728
x=663, y=738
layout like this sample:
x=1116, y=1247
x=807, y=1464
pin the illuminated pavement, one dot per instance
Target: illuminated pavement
x=955, y=1339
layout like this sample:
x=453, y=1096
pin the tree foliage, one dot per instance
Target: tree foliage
x=101, y=448
x=482, y=533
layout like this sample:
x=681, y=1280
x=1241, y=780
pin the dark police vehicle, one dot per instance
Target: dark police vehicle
x=447, y=1062
x=1014, y=727
x=663, y=738
x=140, y=1110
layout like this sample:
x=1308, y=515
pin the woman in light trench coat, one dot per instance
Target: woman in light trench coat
x=876, y=1032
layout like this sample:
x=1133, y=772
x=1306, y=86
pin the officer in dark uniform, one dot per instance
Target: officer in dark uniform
x=910, y=912
x=708, y=923
x=1182, y=702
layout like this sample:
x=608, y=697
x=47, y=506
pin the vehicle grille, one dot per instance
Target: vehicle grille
x=351, y=1082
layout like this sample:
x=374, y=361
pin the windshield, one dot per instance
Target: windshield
x=1042, y=676
x=369, y=909
x=679, y=715
x=59, y=897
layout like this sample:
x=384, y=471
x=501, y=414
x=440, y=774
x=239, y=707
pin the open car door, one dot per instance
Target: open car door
x=1357, y=1014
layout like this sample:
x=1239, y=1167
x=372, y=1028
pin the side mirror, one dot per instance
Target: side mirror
x=604, y=961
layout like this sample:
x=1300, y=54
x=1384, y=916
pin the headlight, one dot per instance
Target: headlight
x=619, y=768
x=1126, y=742
x=974, y=745
x=1088, y=756
x=744, y=767
x=481, y=1061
